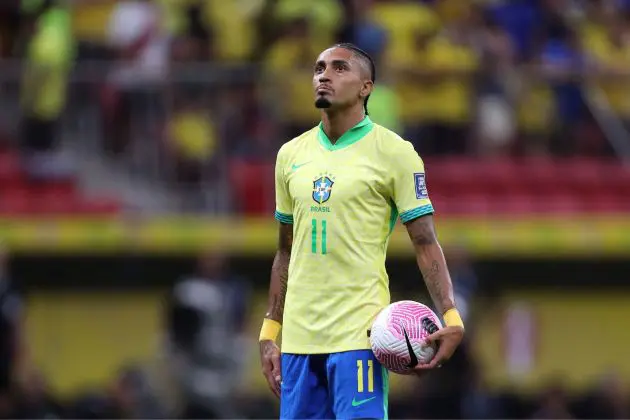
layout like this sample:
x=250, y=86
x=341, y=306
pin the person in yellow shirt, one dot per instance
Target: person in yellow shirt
x=409, y=25
x=610, y=50
x=287, y=66
x=323, y=16
x=372, y=38
x=340, y=187
x=452, y=65
x=49, y=57
x=192, y=143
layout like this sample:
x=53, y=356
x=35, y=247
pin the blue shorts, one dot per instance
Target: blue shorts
x=347, y=385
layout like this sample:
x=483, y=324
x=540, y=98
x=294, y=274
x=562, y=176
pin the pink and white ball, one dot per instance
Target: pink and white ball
x=398, y=333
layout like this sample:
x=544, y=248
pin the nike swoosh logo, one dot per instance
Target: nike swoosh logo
x=413, y=359
x=295, y=167
x=356, y=403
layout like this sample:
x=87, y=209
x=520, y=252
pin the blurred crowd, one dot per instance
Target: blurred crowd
x=187, y=88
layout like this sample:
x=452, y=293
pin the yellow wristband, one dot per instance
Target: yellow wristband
x=270, y=330
x=452, y=318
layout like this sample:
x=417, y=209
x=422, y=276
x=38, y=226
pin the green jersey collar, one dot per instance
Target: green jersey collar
x=351, y=136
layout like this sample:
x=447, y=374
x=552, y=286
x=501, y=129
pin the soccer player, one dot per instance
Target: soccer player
x=340, y=187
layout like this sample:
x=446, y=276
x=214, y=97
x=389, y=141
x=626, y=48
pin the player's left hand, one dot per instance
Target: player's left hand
x=447, y=338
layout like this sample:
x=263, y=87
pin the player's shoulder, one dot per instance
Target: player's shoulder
x=391, y=143
x=294, y=145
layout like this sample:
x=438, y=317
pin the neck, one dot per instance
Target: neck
x=337, y=122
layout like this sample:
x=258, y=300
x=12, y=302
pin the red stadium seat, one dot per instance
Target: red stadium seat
x=19, y=197
x=517, y=204
x=529, y=185
x=251, y=188
x=10, y=168
x=450, y=176
x=559, y=203
x=603, y=202
x=462, y=204
x=15, y=202
x=537, y=175
x=100, y=207
x=581, y=175
x=616, y=179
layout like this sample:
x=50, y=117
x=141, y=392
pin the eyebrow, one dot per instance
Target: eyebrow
x=334, y=62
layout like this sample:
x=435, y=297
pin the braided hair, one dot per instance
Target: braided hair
x=365, y=56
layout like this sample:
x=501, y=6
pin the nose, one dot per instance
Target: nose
x=323, y=78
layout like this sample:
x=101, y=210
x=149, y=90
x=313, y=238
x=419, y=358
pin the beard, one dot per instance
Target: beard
x=322, y=103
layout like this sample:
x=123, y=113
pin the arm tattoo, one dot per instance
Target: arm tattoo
x=434, y=282
x=422, y=232
x=431, y=262
x=280, y=274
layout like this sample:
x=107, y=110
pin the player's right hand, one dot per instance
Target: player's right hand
x=270, y=360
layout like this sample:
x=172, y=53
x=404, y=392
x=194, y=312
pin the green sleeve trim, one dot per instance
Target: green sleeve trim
x=283, y=218
x=409, y=215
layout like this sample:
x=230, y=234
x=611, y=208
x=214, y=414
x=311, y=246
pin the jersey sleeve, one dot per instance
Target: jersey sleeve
x=284, y=205
x=410, y=192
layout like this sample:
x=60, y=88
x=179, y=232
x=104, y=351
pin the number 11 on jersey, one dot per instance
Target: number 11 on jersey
x=314, y=236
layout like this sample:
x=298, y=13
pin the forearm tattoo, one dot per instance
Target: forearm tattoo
x=431, y=262
x=280, y=274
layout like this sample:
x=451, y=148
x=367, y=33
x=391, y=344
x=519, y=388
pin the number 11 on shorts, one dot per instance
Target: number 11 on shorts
x=370, y=376
x=314, y=235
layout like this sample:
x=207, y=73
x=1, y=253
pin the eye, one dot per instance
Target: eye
x=319, y=69
x=340, y=68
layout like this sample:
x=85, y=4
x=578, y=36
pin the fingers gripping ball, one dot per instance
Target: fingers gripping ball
x=398, y=333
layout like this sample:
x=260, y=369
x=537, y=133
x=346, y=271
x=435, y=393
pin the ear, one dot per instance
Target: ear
x=367, y=88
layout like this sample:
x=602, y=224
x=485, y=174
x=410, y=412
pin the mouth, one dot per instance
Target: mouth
x=324, y=90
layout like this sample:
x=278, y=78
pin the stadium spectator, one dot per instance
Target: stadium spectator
x=561, y=64
x=608, y=399
x=36, y=400
x=253, y=127
x=192, y=148
x=324, y=17
x=496, y=130
x=453, y=61
x=553, y=404
x=205, y=315
x=49, y=54
x=371, y=37
x=408, y=26
x=289, y=61
x=141, y=48
x=520, y=19
x=478, y=402
x=608, y=45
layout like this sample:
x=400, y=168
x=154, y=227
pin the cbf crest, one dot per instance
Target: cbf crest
x=322, y=188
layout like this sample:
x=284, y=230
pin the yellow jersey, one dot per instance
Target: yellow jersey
x=343, y=200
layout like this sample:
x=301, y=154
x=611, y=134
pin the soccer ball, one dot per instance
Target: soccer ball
x=398, y=333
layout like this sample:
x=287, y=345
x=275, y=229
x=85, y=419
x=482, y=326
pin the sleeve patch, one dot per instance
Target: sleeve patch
x=421, y=186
